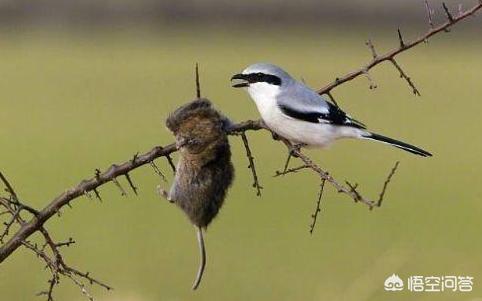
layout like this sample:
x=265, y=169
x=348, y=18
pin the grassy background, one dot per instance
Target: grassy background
x=73, y=103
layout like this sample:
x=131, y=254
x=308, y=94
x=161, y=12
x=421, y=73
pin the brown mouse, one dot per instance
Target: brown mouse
x=204, y=171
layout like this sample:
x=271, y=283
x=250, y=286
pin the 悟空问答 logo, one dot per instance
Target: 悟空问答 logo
x=393, y=283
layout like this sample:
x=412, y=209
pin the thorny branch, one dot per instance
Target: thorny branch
x=403, y=46
x=385, y=184
x=12, y=208
x=314, y=215
x=290, y=170
x=54, y=261
x=349, y=190
x=251, y=165
x=430, y=13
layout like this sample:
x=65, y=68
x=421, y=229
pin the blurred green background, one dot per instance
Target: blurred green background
x=78, y=97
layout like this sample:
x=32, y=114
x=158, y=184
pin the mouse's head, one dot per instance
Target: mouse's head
x=196, y=125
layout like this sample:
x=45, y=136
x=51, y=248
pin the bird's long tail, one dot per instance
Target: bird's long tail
x=402, y=145
x=202, y=262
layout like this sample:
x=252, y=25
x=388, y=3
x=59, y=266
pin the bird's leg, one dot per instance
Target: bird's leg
x=292, y=153
x=164, y=194
x=296, y=148
x=287, y=163
x=275, y=136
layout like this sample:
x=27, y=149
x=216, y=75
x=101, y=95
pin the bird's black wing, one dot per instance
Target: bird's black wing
x=334, y=116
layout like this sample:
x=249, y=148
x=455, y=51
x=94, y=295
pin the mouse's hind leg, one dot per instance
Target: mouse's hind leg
x=164, y=194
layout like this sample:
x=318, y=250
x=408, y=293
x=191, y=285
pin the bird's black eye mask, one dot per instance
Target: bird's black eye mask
x=259, y=77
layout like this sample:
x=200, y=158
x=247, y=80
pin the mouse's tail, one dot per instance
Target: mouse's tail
x=202, y=262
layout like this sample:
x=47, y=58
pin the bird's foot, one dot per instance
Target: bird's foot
x=292, y=150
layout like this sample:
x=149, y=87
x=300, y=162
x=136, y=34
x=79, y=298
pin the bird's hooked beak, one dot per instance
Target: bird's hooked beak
x=239, y=81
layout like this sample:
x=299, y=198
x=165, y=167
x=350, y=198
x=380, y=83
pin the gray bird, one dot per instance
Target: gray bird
x=294, y=111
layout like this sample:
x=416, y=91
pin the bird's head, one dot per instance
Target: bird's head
x=261, y=77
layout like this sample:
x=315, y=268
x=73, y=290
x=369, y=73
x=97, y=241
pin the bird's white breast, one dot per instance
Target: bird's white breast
x=264, y=96
x=297, y=131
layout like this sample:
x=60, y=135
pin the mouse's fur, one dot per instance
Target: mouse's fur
x=204, y=171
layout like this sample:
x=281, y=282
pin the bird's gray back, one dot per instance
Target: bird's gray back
x=302, y=98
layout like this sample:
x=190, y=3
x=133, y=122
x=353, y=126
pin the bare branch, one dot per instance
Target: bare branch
x=158, y=171
x=448, y=13
x=115, y=171
x=198, y=85
x=400, y=39
x=56, y=264
x=251, y=165
x=131, y=184
x=9, y=224
x=248, y=125
x=429, y=14
x=332, y=98
x=171, y=163
x=97, y=194
x=370, y=45
x=118, y=185
x=385, y=185
x=287, y=163
x=290, y=170
x=314, y=215
x=91, y=184
x=394, y=52
x=324, y=175
x=406, y=77
x=372, y=83
x=8, y=186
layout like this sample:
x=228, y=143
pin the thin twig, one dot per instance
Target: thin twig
x=8, y=186
x=385, y=184
x=118, y=185
x=448, y=13
x=400, y=39
x=9, y=224
x=406, y=77
x=287, y=163
x=251, y=165
x=97, y=194
x=333, y=100
x=171, y=163
x=291, y=170
x=429, y=14
x=198, y=85
x=314, y=215
x=158, y=171
x=370, y=45
x=372, y=84
x=131, y=184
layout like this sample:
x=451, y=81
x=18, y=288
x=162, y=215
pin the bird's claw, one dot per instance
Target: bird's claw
x=294, y=148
